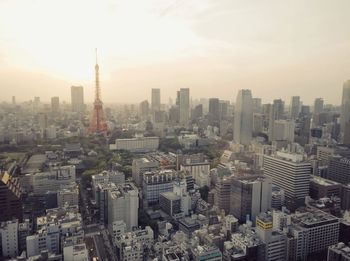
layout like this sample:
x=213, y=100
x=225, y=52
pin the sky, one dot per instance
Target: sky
x=214, y=47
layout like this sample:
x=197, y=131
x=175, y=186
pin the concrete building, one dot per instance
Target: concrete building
x=339, y=169
x=123, y=205
x=10, y=198
x=77, y=99
x=345, y=106
x=55, y=105
x=155, y=183
x=68, y=195
x=196, y=165
x=283, y=130
x=9, y=239
x=345, y=197
x=324, y=188
x=314, y=231
x=276, y=112
x=214, y=111
x=106, y=177
x=155, y=100
x=170, y=203
x=249, y=197
x=243, y=119
x=138, y=144
x=290, y=172
x=294, y=108
x=53, y=179
x=222, y=194
x=130, y=246
x=275, y=240
x=206, y=253
x=52, y=229
x=140, y=166
x=318, y=105
x=338, y=252
x=184, y=104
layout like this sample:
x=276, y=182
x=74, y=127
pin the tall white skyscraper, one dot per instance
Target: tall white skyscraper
x=184, y=102
x=155, y=100
x=295, y=107
x=345, y=106
x=243, y=122
x=77, y=98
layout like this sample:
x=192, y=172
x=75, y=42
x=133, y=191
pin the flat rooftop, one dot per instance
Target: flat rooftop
x=323, y=182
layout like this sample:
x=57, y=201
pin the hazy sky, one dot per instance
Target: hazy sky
x=214, y=47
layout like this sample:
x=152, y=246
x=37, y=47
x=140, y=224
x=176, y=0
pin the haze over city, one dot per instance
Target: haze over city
x=275, y=48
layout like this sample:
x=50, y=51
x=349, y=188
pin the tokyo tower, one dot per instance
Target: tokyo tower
x=98, y=123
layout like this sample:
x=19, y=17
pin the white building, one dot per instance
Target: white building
x=9, y=238
x=106, y=177
x=243, y=119
x=138, y=144
x=290, y=172
x=123, y=205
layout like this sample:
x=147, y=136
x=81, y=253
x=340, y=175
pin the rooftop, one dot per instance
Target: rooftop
x=323, y=182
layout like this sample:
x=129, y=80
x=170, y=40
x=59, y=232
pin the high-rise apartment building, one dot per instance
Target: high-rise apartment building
x=184, y=103
x=345, y=106
x=243, y=119
x=294, y=108
x=291, y=172
x=77, y=98
x=250, y=196
x=155, y=100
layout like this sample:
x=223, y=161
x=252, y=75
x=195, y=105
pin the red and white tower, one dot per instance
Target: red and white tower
x=98, y=123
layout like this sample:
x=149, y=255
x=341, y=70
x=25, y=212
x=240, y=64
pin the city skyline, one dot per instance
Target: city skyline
x=176, y=44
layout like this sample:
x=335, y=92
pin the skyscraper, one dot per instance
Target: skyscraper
x=294, y=107
x=77, y=98
x=55, y=104
x=276, y=113
x=184, y=106
x=318, y=106
x=214, y=111
x=155, y=100
x=345, y=106
x=243, y=121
